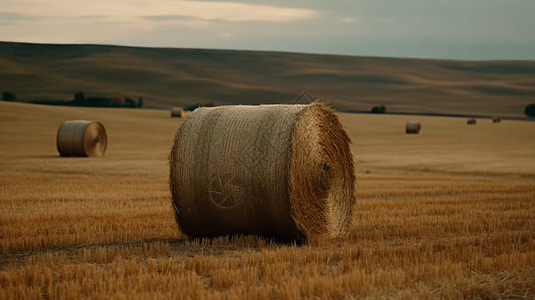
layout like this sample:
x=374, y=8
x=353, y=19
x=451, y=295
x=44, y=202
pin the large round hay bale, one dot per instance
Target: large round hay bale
x=274, y=170
x=177, y=112
x=81, y=138
x=471, y=122
x=413, y=127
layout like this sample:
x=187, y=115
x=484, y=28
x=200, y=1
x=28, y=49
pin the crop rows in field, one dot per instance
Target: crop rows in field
x=412, y=237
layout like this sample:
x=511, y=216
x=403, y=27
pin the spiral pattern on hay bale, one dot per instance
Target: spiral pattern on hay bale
x=81, y=138
x=275, y=170
x=413, y=127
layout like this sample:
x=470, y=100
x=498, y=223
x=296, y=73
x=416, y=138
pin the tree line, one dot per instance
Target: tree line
x=81, y=100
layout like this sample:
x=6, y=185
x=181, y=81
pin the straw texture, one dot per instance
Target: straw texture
x=81, y=138
x=413, y=127
x=275, y=170
x=177, y=112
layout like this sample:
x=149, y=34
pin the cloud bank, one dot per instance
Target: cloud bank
x=133, y=10
x=456, y=29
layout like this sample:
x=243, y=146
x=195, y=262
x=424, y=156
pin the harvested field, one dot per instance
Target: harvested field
x=275, y=170
x=448, y=213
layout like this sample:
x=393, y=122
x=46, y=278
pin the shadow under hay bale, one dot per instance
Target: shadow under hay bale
x=81, y=138
x=471, y=122
x=178, y=112
x=283, y=171
x=413, y=127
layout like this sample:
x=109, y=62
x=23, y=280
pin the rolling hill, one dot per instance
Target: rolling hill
x=167, y=77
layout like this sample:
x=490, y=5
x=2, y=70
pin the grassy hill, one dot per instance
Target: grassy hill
x=167, y=77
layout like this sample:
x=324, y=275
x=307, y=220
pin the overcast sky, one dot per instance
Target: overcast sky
x=444, y=29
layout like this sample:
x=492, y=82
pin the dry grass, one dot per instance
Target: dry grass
x=103, y=228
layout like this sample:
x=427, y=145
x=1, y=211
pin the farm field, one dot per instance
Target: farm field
x=445, y=214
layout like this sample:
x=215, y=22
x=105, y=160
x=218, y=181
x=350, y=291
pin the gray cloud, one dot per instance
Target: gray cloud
x=93, y=17
x=163, y=18
x=11, y=16
x=454, y=29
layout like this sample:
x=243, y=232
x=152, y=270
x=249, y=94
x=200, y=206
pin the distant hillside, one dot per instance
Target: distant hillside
x=167, y=77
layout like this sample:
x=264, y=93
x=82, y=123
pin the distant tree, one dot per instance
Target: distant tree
x=97, y=102
x=116, y=102
x=79, y=98
x=7, y=96
x=129, y=103
x=530, y=110
x=378, y=109
x=140, y=102
x=197, y=105
x=192, y=107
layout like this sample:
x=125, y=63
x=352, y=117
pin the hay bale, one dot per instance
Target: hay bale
x=471, y=122
x=274, y=170
x=496, y=120
x=81, y=138
x=413, y=127
x=177, y=112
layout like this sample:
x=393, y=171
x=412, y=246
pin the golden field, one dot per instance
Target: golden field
x=447, y=214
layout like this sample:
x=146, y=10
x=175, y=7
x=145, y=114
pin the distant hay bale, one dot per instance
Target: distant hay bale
x=177, y=112
x=81, y=138
x=413, y=127
x=275, y=170
x=496, y=120
x=471, y=122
